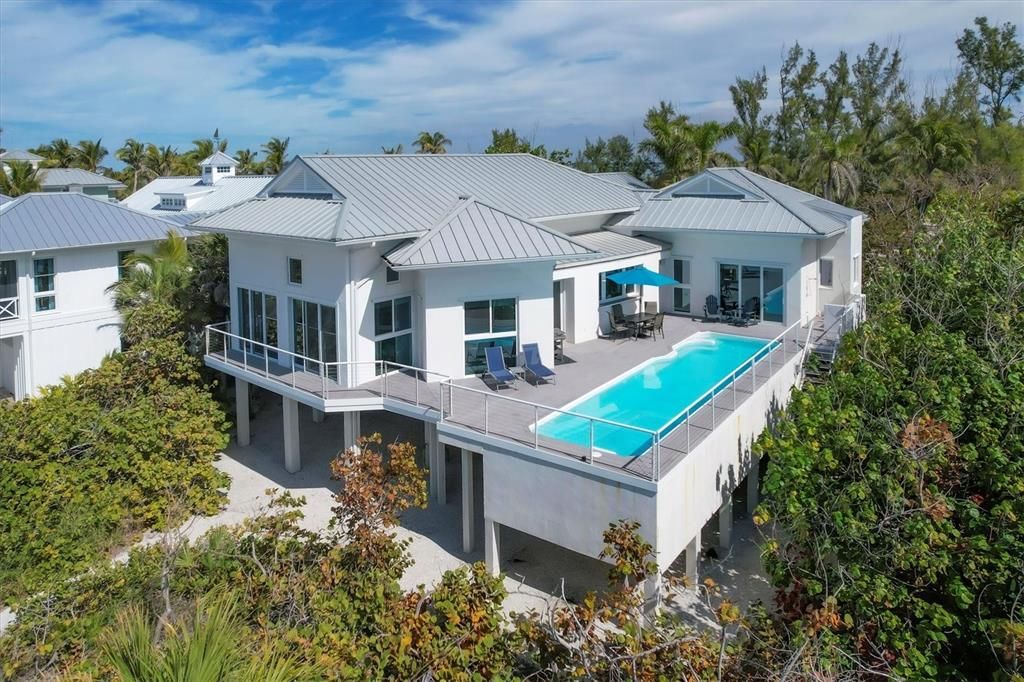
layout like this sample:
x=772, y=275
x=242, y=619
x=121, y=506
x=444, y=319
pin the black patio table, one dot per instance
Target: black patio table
x=637, y=321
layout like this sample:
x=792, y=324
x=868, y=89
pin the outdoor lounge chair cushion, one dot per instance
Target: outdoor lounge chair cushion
x=496, y=365
x=532, y=362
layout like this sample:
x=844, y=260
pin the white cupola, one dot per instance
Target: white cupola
x=216, y=166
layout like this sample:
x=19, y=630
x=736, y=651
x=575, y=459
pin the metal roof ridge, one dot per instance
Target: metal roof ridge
x=779, y=202
x=462, y=203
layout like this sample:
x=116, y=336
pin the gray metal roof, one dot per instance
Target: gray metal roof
x=400, y=195
x=19, y=155
x=624, y=179
x=226, y=192
x=218, y=158
x=60, y=220
x=4, y=199
x=65, y=177
x=474, y=233
x=608, y=245
x=283, y=216
x=738, y=200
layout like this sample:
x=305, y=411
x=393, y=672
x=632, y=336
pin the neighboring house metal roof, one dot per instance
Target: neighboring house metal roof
x=297, y=217
x=474, y=233
x=4, y=199
x=19, y=155
x=61, y=220
x=738, y=200
x=218, y=158
x=186, y=190
x=611, y=246
x=401, y=195
x=226, y=192
x=624, y=179
x=65, y=177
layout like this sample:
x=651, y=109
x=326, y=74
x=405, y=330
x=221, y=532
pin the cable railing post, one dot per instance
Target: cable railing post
x=293, y=369
x=687, y=434
x=266, y=363
x=417, y=378
x=712, y=409
x=732, y=384
x=536, y=429
x=323, y=380
x=207, y=340
x=590, y=456
x=486, y=431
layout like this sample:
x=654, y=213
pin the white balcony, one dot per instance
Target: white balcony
x=9, y=308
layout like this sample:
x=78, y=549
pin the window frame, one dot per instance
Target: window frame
x=687, y=285
x=122, y=267
x=491, y=334
x=831, y=273
x=628, y=290
x=48, y=293
x=390, y=272
x=395, y=333
x=288, y=271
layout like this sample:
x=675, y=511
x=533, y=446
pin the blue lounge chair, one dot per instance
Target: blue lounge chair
x=533, y=365
x=496, y=368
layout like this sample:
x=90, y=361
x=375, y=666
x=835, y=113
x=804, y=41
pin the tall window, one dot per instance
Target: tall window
x=490, y=323
x=610, y=290
x=44, y=284
x=257, y=320
x=8, y=289
x=825, y=272
x=681, y=294
x=122, y=263
x=294, y=271
x=392, y=330
x=315, y=333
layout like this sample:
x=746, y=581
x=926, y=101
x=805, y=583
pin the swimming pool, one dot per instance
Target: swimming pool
x=652, y=395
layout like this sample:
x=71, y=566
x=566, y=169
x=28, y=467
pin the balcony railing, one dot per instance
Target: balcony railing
x=8, y=308
x=326, y=380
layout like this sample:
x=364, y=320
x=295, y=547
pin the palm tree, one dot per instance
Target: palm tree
x=133, y=155
x=759, y=157
x=20, y=178
x=90, y=154
x=431, y=143
x=669, y=142
x=936, y=143
x=247, y=163
x=161, y=161
x=832, y=165
x=160, y=276
x=705, y=138
x=59, y=153
x=397, y=149
x=276, y=150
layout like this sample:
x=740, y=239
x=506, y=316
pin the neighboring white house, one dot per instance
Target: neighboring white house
x=58, y=254
x=217, y=187
x=20, y=155
x=378, y=282
x=78, y=180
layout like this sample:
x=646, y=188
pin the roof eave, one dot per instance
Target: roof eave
x=506, y=261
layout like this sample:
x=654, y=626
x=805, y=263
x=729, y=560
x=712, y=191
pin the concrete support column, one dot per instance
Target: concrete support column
x=440, y=460
x=350, y=428
x=492, y=550
x=652, y=594
x=290, y=410
x=432, y=451
x=753, y=485
x=691, y=558
x=318, y=416
x=468, y=513
x=242, y=411
x=725, y=525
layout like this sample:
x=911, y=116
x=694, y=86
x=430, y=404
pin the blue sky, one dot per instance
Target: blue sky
x=352, y=76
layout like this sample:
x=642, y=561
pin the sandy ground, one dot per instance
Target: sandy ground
x=534, y=569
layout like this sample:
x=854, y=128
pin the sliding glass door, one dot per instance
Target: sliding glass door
x=257, y=321
x=755, y=290
x=315, y=335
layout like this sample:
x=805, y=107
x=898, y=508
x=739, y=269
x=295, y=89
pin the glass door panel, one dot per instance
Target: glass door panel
x=773, y=300
x=729, y=287
x=750, y=290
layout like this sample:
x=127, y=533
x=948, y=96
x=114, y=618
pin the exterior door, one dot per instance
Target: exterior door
x=257, y=321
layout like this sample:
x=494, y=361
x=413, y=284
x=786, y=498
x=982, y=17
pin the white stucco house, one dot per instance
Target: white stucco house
x=58, y=254
x=378, y=282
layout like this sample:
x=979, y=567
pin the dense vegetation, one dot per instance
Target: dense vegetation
x=894, y=496
x=114, y=450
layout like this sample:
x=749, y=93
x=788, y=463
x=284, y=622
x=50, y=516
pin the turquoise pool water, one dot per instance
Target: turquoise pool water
x=652, y=395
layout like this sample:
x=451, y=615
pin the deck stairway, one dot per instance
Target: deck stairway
x=823, y=339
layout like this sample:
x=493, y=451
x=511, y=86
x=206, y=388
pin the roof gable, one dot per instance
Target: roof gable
x=218, y=158
x=708, y=186
x=475, y=233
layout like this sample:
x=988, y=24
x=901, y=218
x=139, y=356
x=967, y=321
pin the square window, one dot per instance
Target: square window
x=294, y=271
x=825, y=272
x=681, y=300
x=504, y=315
x=403, y=314
x=681, y=271
x=391, y=275
x=44, y=303
x=383, y=322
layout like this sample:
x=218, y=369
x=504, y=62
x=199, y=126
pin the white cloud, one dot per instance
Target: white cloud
x=562, y=69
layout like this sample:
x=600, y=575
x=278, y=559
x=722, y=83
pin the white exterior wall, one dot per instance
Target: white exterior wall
x=570, y=508
x=693, y=490
x=82, y=330
x=841, y=249
x=585, y=316
x=445, y=290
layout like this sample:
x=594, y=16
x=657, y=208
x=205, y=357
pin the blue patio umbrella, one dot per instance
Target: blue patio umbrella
x=642, y=276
